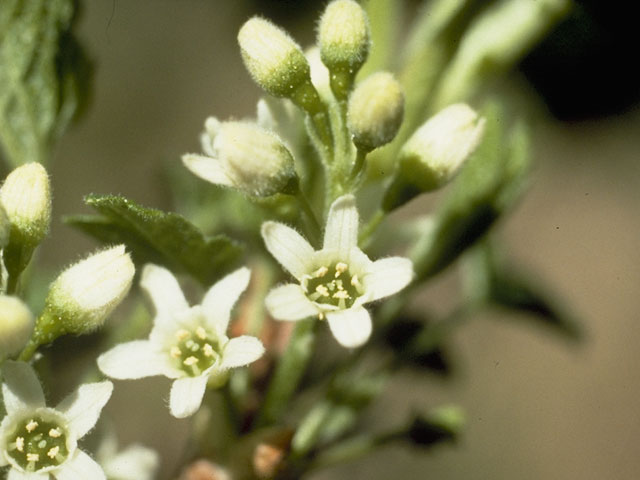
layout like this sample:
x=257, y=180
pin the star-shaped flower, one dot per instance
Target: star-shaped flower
x=38, y=441
x=335, y=282
x=187, y=344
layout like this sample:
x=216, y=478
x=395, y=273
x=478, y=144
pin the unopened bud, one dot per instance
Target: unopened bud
x=435, y=153
x=82, y=297
x=26, y=197
x=376, y=108
x=244, y=156
x=343, y=37
x=16, y=325
x=439, y=148
x=273, y=58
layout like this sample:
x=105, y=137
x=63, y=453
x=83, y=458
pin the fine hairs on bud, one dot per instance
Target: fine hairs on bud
x=243, y=156
x=272, y=57
x=376, y=109
x=439, y=148
x=343, y=35
x=87, y=292
x=26, y=198
x=16, y=325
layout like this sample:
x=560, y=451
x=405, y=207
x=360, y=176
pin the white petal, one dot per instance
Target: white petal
x=221, y=297
x=16, y=475
x=80, y=467
x=207, y=168
x=387, y=276
x=288, y=302
x=186, y=395
x=21, y=388
x=165, y=293
x=134, y=463
x=288, y=247
x=136, y=359
x=351, y=328
x=82, y=408
x=241, y=351
x=341, y=233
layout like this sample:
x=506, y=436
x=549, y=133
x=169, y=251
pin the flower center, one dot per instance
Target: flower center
x=334, y=285
x=37, y=443
x=195, y=351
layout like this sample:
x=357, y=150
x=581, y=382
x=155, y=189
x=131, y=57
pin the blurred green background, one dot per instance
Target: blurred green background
x=538, y=407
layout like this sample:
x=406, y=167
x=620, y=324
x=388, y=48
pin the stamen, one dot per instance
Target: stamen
x=321, y=272
x=175, y=352
x=182, y=334
x=322, y=290
x=55, y=433
x=20, y=444
x=33, y=457
x=208, y=350
x=201, y=333
x=190, y=361
x=343, y=294
x=341, y=267
x=53, y=452
x=31, y=426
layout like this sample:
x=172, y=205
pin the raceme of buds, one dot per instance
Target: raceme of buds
x=16, y=325
x=244, y=156
x=26, y=197
x=435, y=153
x=84, y=295
x=376, y=108
x=273, y=58
x=437, y=150
x=343, y=37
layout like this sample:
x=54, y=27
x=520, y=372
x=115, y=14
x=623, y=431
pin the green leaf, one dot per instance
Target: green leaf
x=489, y=184
x=43, y=76
x=158, y=237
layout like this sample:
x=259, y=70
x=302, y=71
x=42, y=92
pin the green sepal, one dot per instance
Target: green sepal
x=44, y=76
x=491, y=181
x=160, y=237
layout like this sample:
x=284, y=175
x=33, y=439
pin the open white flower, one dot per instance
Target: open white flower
x=334, y=282
x=187, y=344
x=37, y=441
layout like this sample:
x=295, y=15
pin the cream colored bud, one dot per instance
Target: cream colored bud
x=244, y=156
x=438, y=149
x=343, y=35
x=16, y=325
x=273, y=58
x=86, y=293
x=376, y=108
x=26, y=197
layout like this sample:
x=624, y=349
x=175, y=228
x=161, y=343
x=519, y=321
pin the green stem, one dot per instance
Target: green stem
x=312, y=219
x=357, y=168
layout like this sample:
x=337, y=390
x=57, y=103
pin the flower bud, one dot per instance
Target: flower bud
x=376, y=108
x=26, y=197
x=438, y=149
x=343, y=37
x=16, y=325
x=246, y=157
x=273, y=58
x=84, y=295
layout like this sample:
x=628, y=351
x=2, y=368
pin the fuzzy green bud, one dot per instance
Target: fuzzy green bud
x=26, y=198
x=344, y=41
x=435, y=153
x=273, y=58
x=82, y=297
x=16, y=325
x=244, y=156
x=375, y=112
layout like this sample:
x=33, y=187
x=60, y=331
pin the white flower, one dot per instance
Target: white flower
x=187, y=344
x=136, y=462
x=37, y=441
x=334, y=282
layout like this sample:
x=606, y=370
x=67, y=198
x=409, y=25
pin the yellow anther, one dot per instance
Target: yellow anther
x=182, y=334
x=341, y=294
x=20, y=444
x=322, y=290
x=201, y=333
x=341, y=267
x=208, y=350
x=175, y=352
x=354, y=281
x=52, y=453
x=55, y=433
x=31, y=426
x=33, y=457
x=321, y=272
x=189, y=361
